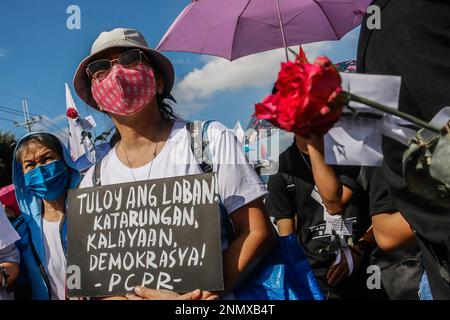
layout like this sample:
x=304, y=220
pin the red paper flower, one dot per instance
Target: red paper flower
x=72, y=113
x=307, y=98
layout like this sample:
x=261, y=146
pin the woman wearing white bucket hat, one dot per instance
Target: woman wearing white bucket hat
x=131, y=82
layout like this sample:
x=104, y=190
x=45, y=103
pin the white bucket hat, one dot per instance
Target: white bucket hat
x=121, y=38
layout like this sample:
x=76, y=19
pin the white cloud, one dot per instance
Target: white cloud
x=220, y=75
x=182, y=61
x=257, y=71
x=58, y=118
x=190, y=107
x=55, y=126
x=3, y=53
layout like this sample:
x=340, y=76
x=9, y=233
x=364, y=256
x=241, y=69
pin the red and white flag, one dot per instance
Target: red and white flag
x=79, y=142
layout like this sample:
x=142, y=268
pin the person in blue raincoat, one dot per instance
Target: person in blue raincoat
x=43, y=172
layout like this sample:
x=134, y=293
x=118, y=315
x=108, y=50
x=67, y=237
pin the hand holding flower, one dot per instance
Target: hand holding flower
x=307, y=98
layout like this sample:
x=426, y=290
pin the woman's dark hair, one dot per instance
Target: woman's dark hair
x=45, y=139
x=163, y=99
x=165, y=108
x=115, y=138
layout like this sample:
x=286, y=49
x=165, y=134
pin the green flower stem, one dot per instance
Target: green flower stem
x=293, y=52
x=378, y=106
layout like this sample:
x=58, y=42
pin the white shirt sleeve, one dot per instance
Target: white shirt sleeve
x=10, y=254
x=238, y=182
x=8, y=235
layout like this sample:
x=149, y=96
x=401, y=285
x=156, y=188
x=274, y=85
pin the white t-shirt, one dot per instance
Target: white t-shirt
x=55, y=259
x=238, y=182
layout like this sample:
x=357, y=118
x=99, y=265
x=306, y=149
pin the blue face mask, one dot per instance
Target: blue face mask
x=49, y=181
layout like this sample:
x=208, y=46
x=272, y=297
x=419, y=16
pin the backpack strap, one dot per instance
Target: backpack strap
x=200, y=147
x=200, y=144
x=96, y=176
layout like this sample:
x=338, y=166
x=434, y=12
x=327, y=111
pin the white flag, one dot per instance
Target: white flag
x=239, y=132
x=79, y=143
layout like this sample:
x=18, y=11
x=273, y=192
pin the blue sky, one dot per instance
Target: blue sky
x=38, y=54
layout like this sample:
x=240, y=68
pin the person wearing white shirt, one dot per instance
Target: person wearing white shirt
x=130, y=82
x=9, y=256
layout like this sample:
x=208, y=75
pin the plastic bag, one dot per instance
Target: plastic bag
x=284, y=274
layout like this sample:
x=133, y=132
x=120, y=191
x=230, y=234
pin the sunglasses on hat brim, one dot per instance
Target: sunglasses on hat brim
x=129, y=59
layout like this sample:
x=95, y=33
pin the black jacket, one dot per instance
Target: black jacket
x=414, y=43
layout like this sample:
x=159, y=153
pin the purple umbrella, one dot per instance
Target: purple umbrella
x=235, y=28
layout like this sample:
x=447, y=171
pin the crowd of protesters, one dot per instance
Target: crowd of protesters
x=346, y=218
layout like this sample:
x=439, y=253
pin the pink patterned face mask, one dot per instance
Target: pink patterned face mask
x=125, y=91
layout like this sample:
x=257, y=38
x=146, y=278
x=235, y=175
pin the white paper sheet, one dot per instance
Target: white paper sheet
x=380, y=88
x=357, y=140
x=354, y=141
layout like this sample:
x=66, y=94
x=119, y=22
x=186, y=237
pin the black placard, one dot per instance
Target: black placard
x=163, y=234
